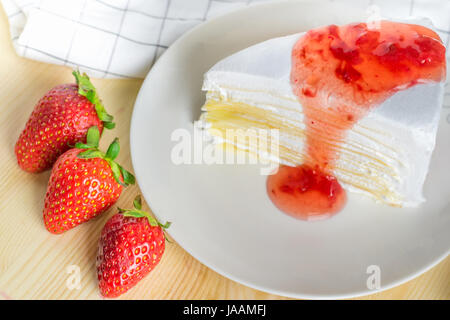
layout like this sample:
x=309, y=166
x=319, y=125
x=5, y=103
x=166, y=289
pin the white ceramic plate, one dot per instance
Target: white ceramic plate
x=221, y=214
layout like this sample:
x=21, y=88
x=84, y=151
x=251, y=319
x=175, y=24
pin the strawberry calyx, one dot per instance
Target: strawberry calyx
x=92, y=151
x=137, y=212
x=87, y=89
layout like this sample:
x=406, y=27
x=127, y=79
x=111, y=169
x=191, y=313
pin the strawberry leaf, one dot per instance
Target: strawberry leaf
x=152, y=221
x=137, y=203
x=109, y=125
x=80, y=145
x=128, y=178
x=132, y=213
x=138, y=213
x=93, y=137
x=141, y=214
x=166, y=225
x=113, y=149
x=122, y=176
x=115, y=168
x=87, y=89
x=91, y=153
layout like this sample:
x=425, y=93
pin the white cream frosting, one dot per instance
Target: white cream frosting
x=393, y=143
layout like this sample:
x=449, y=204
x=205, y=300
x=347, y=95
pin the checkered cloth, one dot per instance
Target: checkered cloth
x=123, y=38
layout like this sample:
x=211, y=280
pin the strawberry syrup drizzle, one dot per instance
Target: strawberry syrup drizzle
x=339, y=74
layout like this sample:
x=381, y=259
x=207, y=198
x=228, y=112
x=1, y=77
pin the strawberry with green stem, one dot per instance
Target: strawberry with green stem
x=61, y=118
x=84, y=183
x=131, y=244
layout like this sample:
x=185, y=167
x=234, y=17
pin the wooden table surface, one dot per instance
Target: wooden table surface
x=34, y=264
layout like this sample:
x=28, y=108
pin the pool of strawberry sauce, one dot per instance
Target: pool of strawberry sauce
x=339, y=74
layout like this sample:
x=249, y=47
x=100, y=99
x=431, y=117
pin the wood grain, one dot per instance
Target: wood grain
x=33, y=263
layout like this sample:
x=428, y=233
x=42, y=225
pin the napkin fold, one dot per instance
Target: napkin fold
x=123, y=38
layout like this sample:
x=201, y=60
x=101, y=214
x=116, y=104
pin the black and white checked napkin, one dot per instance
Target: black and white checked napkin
x=123, y=38
x=106, y=38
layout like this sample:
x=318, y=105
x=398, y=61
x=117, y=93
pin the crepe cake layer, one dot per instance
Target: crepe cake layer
x=385, y=155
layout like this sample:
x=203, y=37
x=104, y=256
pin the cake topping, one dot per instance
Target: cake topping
x=340, y=73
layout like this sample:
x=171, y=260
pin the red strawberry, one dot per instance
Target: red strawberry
x=84, y=183
x=131, y=245
x=61, y=118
